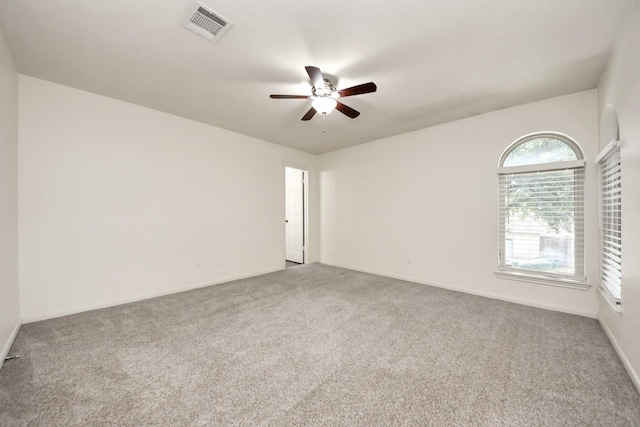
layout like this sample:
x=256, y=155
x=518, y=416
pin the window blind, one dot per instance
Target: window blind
x=542, y=221
x=611, y=224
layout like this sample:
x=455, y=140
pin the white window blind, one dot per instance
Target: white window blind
x=611, y=224
x=542, y=220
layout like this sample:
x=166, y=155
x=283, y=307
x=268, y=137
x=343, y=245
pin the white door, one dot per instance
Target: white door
x=294, y=211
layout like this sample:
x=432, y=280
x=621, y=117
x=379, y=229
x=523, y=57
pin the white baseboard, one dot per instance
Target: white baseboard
x=37, y=318
x=8, y=344
x=623, y=358
x=592, y=315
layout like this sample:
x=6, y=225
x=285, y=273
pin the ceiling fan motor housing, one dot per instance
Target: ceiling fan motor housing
x=329, y=90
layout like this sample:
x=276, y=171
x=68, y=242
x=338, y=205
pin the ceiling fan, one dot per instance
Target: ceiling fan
x=325, y=95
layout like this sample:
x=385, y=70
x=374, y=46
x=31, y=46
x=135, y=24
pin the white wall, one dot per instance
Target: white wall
x=9, y=290
x=118, y=202
x=432, y=196
x=620, y=88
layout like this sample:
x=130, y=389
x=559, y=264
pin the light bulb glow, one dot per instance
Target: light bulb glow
x=324, y=105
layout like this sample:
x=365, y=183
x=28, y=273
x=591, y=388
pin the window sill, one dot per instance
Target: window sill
x=615, y=306
x=542, y=280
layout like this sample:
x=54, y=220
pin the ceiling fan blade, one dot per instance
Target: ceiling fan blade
x=347, y=111
x=289, y=97
x=359, y=89
x=316, y=76
x=310, y=114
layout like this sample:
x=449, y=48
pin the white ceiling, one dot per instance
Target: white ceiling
x=433, y=61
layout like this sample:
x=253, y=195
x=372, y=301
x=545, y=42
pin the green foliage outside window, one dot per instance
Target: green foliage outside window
x=540, y=150
x=557, y=208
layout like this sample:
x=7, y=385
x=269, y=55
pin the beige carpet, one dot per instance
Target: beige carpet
x=317, y=345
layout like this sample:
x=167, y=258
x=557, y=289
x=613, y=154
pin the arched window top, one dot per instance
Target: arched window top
x=539, y=148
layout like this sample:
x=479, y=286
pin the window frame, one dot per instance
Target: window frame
x=576, y=281
x=611, y=151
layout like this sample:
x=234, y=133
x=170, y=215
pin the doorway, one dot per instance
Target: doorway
x=295, y=216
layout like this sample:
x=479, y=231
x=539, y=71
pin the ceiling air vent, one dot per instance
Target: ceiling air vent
x=207, y=23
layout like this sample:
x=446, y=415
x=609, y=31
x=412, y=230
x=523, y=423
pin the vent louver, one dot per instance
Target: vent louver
x=207, y=23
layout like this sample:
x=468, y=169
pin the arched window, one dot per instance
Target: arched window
x=541, y=178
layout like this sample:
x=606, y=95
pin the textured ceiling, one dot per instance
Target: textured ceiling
x=433, y=61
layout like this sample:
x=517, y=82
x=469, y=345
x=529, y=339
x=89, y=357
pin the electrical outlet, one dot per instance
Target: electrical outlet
x=408, y=260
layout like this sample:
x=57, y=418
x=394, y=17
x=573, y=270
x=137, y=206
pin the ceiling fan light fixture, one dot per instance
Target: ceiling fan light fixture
x=324, y=104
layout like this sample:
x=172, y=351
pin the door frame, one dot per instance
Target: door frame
x=305, y=211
